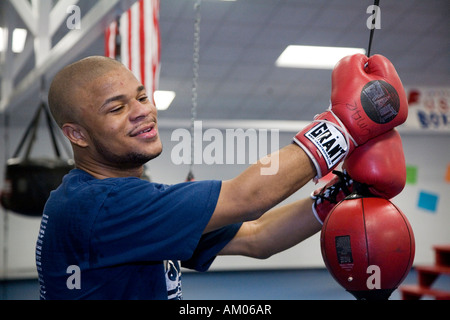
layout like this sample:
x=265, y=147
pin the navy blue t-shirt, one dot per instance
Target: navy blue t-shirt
x=122, y=238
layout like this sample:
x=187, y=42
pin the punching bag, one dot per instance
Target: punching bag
x=368, y=246
x=29, y=181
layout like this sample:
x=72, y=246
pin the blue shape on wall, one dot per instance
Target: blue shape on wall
x=428, y=201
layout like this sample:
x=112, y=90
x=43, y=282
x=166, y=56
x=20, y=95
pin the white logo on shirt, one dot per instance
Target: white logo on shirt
x=173, y=280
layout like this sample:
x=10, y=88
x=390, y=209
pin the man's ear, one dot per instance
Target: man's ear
x=75, y=134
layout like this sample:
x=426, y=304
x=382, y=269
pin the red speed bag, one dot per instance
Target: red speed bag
x=368, y=246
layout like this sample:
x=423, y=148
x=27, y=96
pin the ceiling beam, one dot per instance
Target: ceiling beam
x=56, y=18
x=42, y=36
x=7, y=55
x=75, y=42
x=25, y=11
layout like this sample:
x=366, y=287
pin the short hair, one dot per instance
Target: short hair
x=68, y=83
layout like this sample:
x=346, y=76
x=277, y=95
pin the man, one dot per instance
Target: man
x=107, y=234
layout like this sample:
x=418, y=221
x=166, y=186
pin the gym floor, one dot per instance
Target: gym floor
x=302, y=284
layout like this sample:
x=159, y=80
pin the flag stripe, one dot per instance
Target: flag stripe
x=107, y=40
x=110, y=40
x=156, y=44
x=136, y=47
x=130, y=39
x=148, y=45
x=124, y=39
x=140, y=41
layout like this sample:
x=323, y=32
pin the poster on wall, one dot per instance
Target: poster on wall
x=429, y=109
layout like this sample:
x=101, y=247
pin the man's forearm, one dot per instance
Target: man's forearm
x=277, y=230
x=252, y=193
x=294, y=171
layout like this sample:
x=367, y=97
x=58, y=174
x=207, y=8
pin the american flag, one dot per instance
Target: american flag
x=134, y=40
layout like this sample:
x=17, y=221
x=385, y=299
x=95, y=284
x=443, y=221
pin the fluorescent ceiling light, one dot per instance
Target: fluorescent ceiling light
x=18, y=40
x=19, y=37
x=1, y=40
x=163, y=99
x=311, y=57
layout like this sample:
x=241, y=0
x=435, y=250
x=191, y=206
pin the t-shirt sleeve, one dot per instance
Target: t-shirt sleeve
x=141, y=221
x=209, y=246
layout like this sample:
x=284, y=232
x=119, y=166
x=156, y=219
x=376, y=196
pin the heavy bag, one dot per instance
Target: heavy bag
x=29, y=181
x=368, y=246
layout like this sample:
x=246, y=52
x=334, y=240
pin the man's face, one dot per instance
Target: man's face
x=121, y=120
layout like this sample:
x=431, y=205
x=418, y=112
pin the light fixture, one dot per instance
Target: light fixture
x=19, y=36
x=313, y=57
x=18, y=40
x=163, y=99
x=2, y=48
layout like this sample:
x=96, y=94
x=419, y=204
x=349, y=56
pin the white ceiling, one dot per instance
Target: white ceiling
x=241, y=40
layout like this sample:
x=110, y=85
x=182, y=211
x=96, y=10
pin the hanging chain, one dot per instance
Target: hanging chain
x=196, y=58
x=376, y=3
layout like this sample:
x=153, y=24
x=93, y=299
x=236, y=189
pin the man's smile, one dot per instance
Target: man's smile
x=147, y=131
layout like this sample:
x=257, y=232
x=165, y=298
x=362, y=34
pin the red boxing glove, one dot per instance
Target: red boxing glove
x=367, y=99
x=377, y=168
x=367, y=95
x=326, y=142
x=379, y=165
